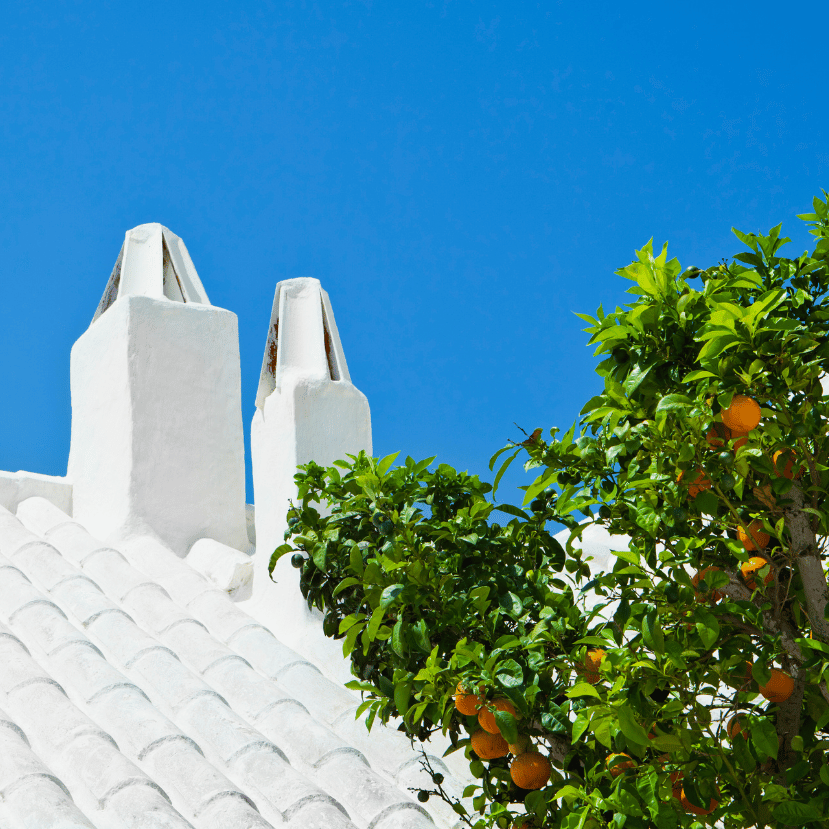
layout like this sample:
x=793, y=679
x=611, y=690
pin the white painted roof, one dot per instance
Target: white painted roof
x=135, y=693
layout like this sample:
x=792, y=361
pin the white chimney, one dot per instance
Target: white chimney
x=157, y=442
x=306, y=409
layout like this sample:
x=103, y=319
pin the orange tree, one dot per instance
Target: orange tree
x=684, y=683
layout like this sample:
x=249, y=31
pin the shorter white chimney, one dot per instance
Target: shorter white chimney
x=157, y=442
x=306, y=409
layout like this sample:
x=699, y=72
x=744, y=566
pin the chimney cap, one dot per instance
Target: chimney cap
x=153, y=262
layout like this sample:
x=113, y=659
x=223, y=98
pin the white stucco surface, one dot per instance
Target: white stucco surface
x=17, y=486
x=138, y=687
x=157, y=441
x=227, y=568
x=306, y=409
x=150, y=699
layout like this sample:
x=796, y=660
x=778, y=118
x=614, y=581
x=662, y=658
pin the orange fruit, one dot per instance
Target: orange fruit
x=486, y=717
x=716, y=595
x=530, y=770
x=742, y=415
x=489, y=746
x=697, y=485
x=735, y=726
x=755, y=538
x=617, y=765
x=717, y=435
x=779, y=688
x=740, y=440
x=592, y=661
x=521, y=745
x=467, y=703
x=784, y=464
x=695, y=810
x=752, y=566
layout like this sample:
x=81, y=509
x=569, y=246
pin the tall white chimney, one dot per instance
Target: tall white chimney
x=306, y=409
x=157, y=442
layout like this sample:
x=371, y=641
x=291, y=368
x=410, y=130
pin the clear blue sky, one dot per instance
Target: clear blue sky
x=461, y=176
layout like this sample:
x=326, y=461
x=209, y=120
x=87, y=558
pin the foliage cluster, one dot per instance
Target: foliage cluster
x=428, y=591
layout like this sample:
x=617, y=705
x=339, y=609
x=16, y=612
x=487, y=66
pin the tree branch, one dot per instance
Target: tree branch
x=805, y=553
x=737, y=589
x=788, y=718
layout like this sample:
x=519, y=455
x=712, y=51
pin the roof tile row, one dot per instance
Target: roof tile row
x=212, y=713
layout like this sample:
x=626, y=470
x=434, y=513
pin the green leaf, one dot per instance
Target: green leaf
x=538, y=485
x=745, y=759
x=569, y=792
x=580, y=725
x=421, y=637
x=795, y=814
x=375, y=622
x=652, y=633
x=511, y=510
x=351, y=637
x=764, y=737
x=507, y=725
x=384, y=464
x=647, y=785
x=389, y=595
x=630, y=728
x=602, y=732
x=346, y=624
x=320, y=555
x=402, y=694
x=699, y=374
x=666, y=742
x=398, y=640
x=277, y=554
x=344, y=584
x=672, y=403
x=536, y=803
x=509, y=674
x=636, y=377
x=708, y=628
x=631, y=556
x=582, y=689
x=423, y=465
x=503, y=469
x=511, y=604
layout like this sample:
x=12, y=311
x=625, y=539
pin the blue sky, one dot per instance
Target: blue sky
x=461, y=176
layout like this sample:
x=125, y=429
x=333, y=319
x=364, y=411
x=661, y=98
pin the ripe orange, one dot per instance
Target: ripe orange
x=697, y=485
x=779, y=688
x=755, y=538
x=735, y=726
x=592, y=661
x=717, y=435
x=467, y=703
x=716, y=595
x=784, y=464
x=617, y=765
x=695, y=810
x=489, y=746
x=486, y=717
x=521, y=745
x=742, y=415
x=752, y=566
x=530, y=770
